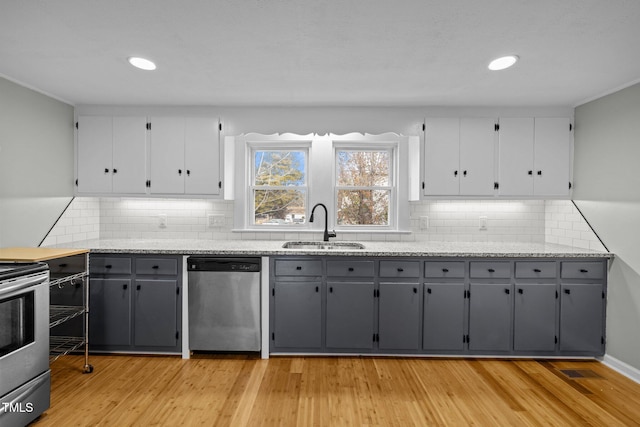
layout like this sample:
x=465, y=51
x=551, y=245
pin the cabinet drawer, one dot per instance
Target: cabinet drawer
x=67, y=265
x=109, y=265
x=444, y=269
x=399, y=269
x=157, y=266
x=350, y=268
x=490, y=269
x=298, y=268
x=582, y=270
x=535, y=269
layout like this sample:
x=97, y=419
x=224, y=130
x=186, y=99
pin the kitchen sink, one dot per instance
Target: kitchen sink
x=339, y=246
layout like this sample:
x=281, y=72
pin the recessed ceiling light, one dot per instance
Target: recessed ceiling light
x=503, y=62
x=142, y=63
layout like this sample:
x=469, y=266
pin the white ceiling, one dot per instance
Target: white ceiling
x=321, y=52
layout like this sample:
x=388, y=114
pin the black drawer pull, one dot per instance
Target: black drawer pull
x=537, y=270
x=106, y=170
x=507, y=291
x=582, y=270
x=331, y=289
x=188, y=172
x=400, y=270
x=115, y=170
x=428, y=290
x=138, y=287
x=179, y=171
x=567, y=291
x=63, y=265
x=491, y=270
x=298, y=268
x=108, y=266
x=350, y=268
x=155, y=267
x=415, y=290
x=445, y=270
x=317, y=288
x=539, y=173
x=530, y=173
x=520, y=291
x=125, y=286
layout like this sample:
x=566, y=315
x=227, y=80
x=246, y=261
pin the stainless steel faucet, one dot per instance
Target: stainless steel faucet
x=327, y=234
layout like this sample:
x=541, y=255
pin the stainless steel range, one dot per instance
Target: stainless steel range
x=24, y=343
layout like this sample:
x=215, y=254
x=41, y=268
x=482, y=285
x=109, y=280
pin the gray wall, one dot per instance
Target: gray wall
x=36, y=163
x=607, y=191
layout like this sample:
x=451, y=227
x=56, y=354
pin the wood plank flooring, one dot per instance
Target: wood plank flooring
x=215, y=390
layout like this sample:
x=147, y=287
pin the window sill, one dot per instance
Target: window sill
x=307, y=231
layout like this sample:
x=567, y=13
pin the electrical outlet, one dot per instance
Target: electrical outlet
x=424, y=222
x=215, y=220
x=162, y=220
x=483, y=223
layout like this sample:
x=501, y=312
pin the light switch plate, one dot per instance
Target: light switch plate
x=424, y=222
x=162, y=220
x=482, y=223
x=215, y=220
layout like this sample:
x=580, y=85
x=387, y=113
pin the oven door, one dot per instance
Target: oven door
x=24, y=330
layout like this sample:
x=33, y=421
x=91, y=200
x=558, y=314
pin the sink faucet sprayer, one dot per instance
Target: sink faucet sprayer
x=326, y=222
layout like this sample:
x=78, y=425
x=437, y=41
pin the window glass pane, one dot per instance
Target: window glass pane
x=279, y=168
x=362, y=168
x=279, y=207
x=363, y=207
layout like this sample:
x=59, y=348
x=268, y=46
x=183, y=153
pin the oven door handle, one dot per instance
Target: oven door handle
x=22, y=283
x=31, y=385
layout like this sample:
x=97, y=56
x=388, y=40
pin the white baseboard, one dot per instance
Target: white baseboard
x=621, y=367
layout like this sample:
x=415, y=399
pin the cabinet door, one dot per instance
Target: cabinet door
x=515, y=154
x=297, y=315
x=442, y=156
x=490, y=308
x=202, y=156
x=443, y=320
x=95, y=152
x=167, y=155
x=349, y=315
x=155, y=313
x=477, y=156
x=399, y=316
x=582, y=318
x=534, y=321
x=552, y=156
x=110, y=312
x=129, y=155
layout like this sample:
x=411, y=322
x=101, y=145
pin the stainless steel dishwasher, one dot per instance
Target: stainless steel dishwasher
x=224, y=303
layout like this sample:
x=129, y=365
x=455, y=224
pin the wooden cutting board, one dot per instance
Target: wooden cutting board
x=37, y=254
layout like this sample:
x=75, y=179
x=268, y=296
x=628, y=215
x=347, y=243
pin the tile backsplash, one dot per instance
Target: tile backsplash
x=535, y=221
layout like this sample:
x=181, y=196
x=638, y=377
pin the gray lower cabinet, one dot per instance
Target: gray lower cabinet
x=350, y=315
x=582, y=318
x=110, y=312
x=490, y=317
x=135, y=303
x=399, y=316
x=535, y=314
x=443, y=320
x=297, y=315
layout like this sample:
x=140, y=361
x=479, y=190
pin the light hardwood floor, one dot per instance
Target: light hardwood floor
x=342, y=391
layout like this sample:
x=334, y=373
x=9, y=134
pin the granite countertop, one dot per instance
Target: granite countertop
x=274, y=247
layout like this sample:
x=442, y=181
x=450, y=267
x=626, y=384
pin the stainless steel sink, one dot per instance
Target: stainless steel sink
x=324, y=246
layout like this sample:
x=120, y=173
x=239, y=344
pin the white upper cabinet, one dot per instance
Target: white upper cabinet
x=459, y=156
x=185, y=156
x=111, y=155
x=534, y=157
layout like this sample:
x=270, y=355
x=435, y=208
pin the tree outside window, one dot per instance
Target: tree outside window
x=363, y=187
x=279, y=187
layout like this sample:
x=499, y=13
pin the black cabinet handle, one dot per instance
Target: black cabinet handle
x=155, y=267
x=530, y=173
x=188, y=172
x=537, y=270
x=582, y=270
x=106, y=170
x=400, y=270
x=179, y=171
x=125, y=286
x=567, y=291
x=350, y=268
x=331, y=289
x=507, y=291
x=317, y=289
x=138, y=287
x=464, y=173
x=298, y=268
x=455, y=173
x=539, y=173
x=108, y=266
x=445, y=270
x=428, y=290
x=520, y=291
x=491, y=270
x=63, y=265
x=115, y=170
x=415, y=290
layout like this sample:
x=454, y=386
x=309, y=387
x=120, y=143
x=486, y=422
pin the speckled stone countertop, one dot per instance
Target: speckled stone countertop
x=394, y=249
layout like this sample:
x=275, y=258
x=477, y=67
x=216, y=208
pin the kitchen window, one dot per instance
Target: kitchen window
x=364, y=186
x=279, y=189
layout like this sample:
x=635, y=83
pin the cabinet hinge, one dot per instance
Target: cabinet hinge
x=376, y=338
x=76, y=182
x=570, y=185
x=423, y=185
x=424, y=127
x=177, y=334
x=220, y=126
x=76, y=125
x=496, y=127
x=570, y=127
x=148, y=183
x=496, y=186
x=603, y=296
x=219, y=184
x=602, y=340
x=468, y=340
x=273, y=336
x=555, y=339
x=556, y=294
x=149, y=126
x=273, y=292
x=177, y=291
